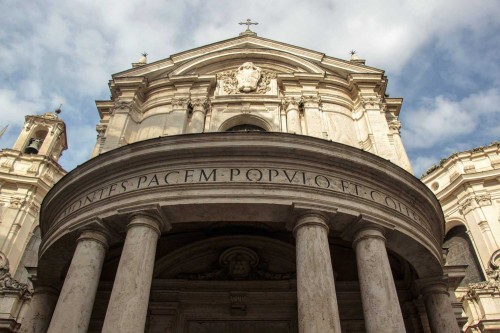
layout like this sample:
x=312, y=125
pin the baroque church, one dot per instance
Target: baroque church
x=246, y=185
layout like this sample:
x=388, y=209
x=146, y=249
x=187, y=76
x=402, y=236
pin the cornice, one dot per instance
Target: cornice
x=435, y=171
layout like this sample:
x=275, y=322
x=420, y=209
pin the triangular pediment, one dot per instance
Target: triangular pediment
x=247, y=48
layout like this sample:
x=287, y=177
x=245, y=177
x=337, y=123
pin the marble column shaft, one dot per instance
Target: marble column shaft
x=439, y=310
x=127, y=309
x=40, y=310
x=197, y=120
x=317, y=301
x=381, y=308
x=293, y=119
x=75, y=303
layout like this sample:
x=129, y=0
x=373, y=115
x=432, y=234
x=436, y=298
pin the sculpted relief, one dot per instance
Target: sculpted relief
x=247, y=75
x=246, y=79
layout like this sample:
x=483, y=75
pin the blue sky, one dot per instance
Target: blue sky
x=441, y=56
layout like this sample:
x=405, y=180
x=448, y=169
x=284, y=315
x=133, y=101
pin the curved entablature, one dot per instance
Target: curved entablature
x=248, y=177
x=217, y=57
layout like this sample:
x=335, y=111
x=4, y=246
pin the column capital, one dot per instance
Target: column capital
x=95, y=234
x=145, y=220
x=307, y=219
x=150, y=216
x=368, y=230
x=434, y=285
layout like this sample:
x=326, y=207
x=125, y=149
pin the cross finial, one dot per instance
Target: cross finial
x=248, y=32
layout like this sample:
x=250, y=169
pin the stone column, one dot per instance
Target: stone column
x=381, y=307
x=439, y=310
x=317, y=301
x=293, y=124
x=75, y=303
x=312, y=115
x=40, y=310
x=198, y=117
x=128, y=304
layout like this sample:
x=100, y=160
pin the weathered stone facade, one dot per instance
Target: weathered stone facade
x=246, y=185
x=467, y=185
x=27, y=172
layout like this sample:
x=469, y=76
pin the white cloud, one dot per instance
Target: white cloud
x=441, y=120
x=55, y=52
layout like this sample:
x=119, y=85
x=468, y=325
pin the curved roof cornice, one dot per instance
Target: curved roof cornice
x=317, y=60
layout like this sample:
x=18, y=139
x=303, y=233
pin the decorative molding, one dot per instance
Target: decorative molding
x=310, y=101
x=372, y=101
x=465, y=206
x=238, y=304
x=395, y=125
x=125, y=106
x=8, y=283
x=484, y=199
x=491, y=284
x=101, y=130
x=200, y=104
x=181, y=103
x=17, y=202
x=470, y=168
x=289, y=102
x=238, y=263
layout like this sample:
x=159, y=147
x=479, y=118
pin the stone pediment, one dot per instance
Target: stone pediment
x=247, y=48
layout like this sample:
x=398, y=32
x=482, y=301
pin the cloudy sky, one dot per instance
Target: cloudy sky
x=441, y=56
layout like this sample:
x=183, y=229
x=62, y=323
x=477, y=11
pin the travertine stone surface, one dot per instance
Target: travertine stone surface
x=74, y=306
x=439, y=311
x=42, y=306
x=293, y=118
x=317, y=301
x=381, y=307
x=128, y=304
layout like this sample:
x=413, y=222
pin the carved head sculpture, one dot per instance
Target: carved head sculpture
x=248, y=76
x=239, y=262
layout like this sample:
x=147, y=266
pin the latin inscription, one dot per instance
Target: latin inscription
x=241, y=175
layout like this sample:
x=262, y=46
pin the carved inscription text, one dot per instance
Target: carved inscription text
x=206, y=176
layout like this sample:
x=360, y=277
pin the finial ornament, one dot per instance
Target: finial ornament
x=354, y=55
x=58, y=110
x=248, y=32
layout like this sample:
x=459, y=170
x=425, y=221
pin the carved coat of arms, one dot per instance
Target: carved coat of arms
x=248, y=75
x=247, y=78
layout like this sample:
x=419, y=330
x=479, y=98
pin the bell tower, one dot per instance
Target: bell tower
x=43, y=135
x=27, y=172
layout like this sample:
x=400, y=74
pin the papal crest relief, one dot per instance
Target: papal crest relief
x=247, y=78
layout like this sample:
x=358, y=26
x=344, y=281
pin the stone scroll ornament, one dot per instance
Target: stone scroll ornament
x=246, y=79
x=7, y=282
x=238, y=263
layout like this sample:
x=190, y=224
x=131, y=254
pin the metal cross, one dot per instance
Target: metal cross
x=248, y=23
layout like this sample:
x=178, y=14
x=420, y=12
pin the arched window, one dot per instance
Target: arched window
x=35, y=142
x=246, y=128
x=461, y=252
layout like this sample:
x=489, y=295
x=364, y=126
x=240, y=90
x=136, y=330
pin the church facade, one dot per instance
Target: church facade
x=468, y=186
x=245, y=185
